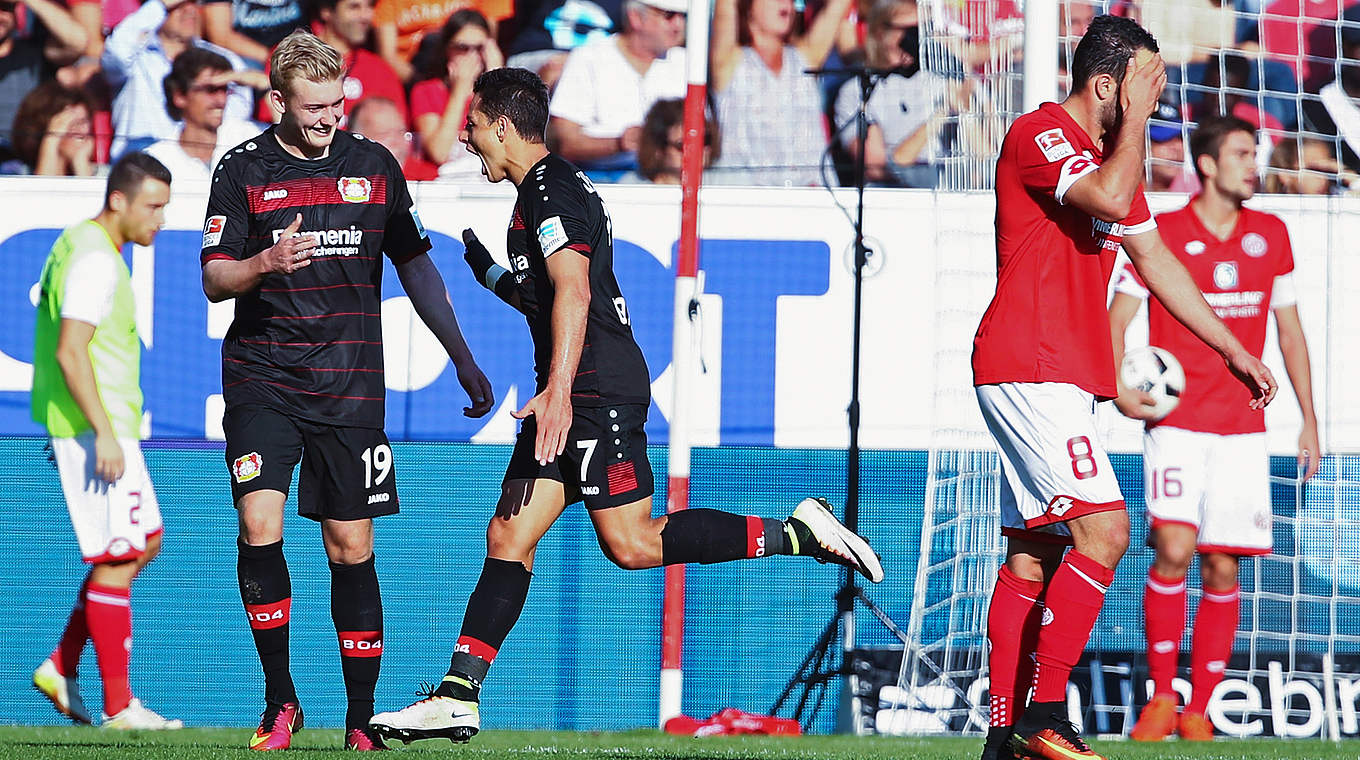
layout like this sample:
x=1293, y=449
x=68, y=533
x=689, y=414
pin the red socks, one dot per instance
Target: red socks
x=1164, y=621
x=1211, y=644
x=1073, y=603
x=108, y=613
x=1012, y=629
x=66, y=657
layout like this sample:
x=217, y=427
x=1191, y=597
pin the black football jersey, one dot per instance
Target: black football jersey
x=558, y=209
x=309, y=343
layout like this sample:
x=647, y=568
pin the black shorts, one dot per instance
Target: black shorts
x=605, y=461
x=348, y=473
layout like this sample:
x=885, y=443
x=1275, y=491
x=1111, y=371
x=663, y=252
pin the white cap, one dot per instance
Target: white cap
x=674, y=6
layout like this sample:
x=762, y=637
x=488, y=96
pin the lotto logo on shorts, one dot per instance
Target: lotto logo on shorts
x=247, y=467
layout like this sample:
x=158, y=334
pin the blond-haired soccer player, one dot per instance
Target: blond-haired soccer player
x=86, y=392
x=297, y=221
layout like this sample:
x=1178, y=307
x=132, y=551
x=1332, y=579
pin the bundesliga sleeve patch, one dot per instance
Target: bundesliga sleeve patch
x=551, y=235
x=1054, y=144
x=212, y=230
x=420, y=228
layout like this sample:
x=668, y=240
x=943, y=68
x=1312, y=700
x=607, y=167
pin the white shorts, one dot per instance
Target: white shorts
x=1055, y=468
x=1217, y=484
x=112, y=520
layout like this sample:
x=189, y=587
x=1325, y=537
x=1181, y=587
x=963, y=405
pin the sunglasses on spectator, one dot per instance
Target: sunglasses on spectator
x=666, y=15
x=680, y=145
x=209, y=89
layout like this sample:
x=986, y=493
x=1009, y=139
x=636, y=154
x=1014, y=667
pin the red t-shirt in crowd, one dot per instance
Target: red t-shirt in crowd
x=1238, y=279
x=1048, y=320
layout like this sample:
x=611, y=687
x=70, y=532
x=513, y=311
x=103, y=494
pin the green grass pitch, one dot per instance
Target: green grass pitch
x=40, y=743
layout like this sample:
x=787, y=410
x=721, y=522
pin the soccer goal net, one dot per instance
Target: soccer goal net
x=1295, y=669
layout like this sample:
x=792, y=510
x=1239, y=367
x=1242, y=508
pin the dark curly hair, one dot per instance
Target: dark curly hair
x=656, y=136
x=35, y=113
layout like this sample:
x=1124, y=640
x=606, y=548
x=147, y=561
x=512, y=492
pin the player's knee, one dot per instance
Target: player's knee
x=629, y=552
x=1173, y=559
x=1219, y=571
x=504, y=542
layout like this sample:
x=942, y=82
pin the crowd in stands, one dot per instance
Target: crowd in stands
x=83, y=81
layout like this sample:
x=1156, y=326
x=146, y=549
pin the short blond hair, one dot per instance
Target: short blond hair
x=303, y=54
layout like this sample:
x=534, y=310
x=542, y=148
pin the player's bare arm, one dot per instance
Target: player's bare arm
x=223, y=279
x=1130, y=402
x=1168, y=280
x=569, y=272
x=1299, y=368
x=1108, y=192
x=73, y=356
x=425, y=287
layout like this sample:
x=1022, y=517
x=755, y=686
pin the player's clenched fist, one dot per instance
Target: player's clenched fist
x=292, y=251
x=1144, y=80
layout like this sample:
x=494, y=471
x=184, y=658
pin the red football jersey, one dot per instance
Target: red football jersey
x=1048, y=320
x=1237, y=277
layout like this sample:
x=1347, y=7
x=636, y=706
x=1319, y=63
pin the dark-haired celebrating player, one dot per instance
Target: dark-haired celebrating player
x=298, y=220
x=87, y=393
x=582, y=437
x=1205, y=465
x=1068, y=191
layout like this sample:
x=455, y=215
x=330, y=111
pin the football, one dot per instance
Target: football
x=1156, y=372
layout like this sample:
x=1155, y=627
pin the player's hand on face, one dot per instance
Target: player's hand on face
x=1310, y=451
x=290, y=253
x=1136, y=404
x=552, y=413
x=108, y=458
x=1256, y=376
x=478, y=389
x=1142, y=87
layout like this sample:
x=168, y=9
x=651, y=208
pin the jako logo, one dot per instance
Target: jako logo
x=379, y=498
x=590, y=490
x=275, y=195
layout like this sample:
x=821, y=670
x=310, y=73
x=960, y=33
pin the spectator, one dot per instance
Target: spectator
x=660, y=146
x=1167, y=168
x=53, y=133
x=403, y=27
x=607, y=85
x=1301, y=34
x=769, y=110
x=196, y=92
x=379, y=119
x=1308, y=166
x=556, y=27
x=97, y=18
x=1335, y=111
x=1189, y=31
x=251, y=28
x=27, y=60
x=439, y=104
x=347, y=26
x=137, y=58
x=900, y=108
x=1228, y=78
